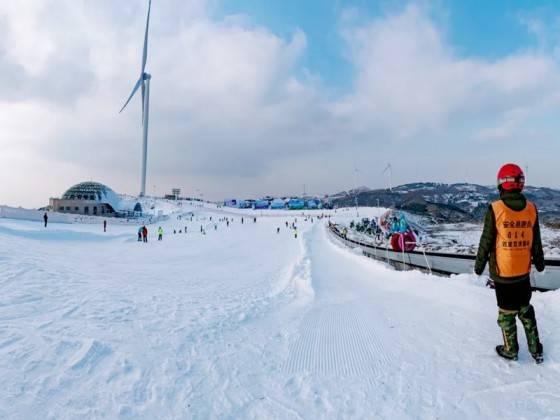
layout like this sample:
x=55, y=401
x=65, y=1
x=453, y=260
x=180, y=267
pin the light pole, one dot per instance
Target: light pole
x=356, y=190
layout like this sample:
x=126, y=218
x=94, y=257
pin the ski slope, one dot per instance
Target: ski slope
x=245, y=323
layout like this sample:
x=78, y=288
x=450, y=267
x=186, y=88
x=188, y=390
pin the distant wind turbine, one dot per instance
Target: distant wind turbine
x=389, y=169
x=144, y=83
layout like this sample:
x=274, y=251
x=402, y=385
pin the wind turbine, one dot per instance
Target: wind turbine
x=144, y=83
x=389, y=168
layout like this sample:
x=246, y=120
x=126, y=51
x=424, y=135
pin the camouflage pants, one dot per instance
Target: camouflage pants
x=506, y=321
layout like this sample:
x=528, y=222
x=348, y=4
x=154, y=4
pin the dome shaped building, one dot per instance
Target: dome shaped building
x=94, y=199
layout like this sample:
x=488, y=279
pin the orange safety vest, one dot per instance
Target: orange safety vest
x=514, y=239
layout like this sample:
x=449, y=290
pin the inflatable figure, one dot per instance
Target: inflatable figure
x=396, y=228
x=403, y=241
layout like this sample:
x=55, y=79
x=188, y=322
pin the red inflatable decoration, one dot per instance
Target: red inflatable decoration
x=406, y=241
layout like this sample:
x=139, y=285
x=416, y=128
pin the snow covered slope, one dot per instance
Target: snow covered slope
x=244, y=322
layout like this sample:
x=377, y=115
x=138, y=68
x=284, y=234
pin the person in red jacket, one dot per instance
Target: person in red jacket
x=145, y=234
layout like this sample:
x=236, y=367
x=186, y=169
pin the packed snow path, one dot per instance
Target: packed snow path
x=246, y=323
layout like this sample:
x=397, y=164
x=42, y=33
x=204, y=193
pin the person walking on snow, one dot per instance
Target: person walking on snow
x=511, y=242
x=140, y=233
x=145, y=233
x=45, y=218
x=104, y=225
x=160, y=233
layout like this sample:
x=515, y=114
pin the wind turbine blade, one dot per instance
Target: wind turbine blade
x=136, y=86
x=145, y=52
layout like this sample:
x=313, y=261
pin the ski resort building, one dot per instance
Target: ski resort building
x=95, y=199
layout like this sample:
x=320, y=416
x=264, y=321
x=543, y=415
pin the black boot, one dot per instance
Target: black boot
x=529, y=321
x=501, y=350
x=506, y=321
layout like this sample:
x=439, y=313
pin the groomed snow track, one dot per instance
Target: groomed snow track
x=440, y=262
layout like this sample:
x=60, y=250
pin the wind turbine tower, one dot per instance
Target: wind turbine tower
x=144, y=83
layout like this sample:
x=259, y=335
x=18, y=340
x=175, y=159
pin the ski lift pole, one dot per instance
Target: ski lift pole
x=425, y=258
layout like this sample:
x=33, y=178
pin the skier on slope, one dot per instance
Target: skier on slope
x=160, y=233
x=511, y=241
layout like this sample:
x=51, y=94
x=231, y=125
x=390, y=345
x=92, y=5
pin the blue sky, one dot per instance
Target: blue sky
x=475, y=28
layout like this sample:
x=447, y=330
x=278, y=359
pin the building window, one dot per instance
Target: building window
x=77, y=209
x=94, y=209
x=61, y=208
x=86, y=210
x=67, y=208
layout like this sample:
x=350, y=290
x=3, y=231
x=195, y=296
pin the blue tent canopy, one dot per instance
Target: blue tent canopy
x=261, y=204
x=296, y=204
x=277, y=203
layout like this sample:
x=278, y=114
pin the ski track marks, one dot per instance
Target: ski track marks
x=339, y=338
x=336, y=340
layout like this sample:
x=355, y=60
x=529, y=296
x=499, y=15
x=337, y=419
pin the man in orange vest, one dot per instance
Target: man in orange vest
x=511, y=242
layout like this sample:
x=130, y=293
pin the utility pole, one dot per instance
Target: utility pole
x=356, y=190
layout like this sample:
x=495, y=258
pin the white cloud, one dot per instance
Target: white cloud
x=410, y=80
x=230, y=111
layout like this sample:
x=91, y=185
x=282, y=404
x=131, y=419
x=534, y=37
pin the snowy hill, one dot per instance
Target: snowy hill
x=243, y=322
x=449, y=202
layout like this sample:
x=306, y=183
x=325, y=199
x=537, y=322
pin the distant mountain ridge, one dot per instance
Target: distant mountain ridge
x=450, y=203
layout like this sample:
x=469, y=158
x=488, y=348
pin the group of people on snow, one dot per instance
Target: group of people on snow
x=143, y=234
x=510, y=244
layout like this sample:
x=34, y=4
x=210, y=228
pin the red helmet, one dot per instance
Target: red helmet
x=511, y=177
